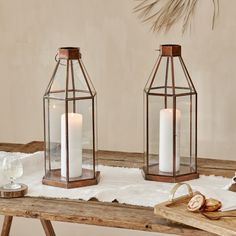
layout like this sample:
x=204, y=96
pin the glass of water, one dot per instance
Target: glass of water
x=12, y=169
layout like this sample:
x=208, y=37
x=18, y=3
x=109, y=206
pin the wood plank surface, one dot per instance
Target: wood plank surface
x=105, y=214
x=94, y=213
x=177, y=210
x=10, y=147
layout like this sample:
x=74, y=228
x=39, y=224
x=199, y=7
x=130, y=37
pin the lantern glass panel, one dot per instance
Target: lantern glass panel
x=163, y=83
x=53, y=111
x=58, y=85
x=81, y=153
x=76, y=82
x=153, y=85
x=84, y=86
x=182, y=82
x=156, y=106
x=153, y=129
x=46, y=134
x=186, y=106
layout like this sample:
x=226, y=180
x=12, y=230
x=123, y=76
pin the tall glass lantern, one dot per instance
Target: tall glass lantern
x=170, y=120
x=70, y=124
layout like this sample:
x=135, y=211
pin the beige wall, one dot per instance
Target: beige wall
x=119, y=53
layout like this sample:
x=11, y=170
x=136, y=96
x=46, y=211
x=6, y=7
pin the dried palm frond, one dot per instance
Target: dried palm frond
x=163, y=14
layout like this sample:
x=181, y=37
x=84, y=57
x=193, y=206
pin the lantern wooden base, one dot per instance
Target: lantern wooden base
x=154, y=174
x=12, y=193
x=233, y=188
x=54, y=178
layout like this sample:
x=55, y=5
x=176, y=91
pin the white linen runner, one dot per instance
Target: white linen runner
x=126, y=185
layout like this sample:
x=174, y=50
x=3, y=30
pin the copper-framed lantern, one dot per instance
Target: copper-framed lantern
x=170, y=120
x=70, y=124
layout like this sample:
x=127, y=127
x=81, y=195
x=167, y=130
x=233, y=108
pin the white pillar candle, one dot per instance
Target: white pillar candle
x=75, y=121
x=166, y=140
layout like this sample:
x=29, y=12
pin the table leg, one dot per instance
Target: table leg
x=47, y=226
x=6, y=225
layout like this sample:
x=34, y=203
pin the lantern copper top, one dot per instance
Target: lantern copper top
x=69, y=53
x=168, y=50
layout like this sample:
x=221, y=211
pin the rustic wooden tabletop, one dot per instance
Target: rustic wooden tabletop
x=94, y=212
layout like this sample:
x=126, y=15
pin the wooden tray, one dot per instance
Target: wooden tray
x=176, y=210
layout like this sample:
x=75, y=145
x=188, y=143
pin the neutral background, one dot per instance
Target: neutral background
x=119, y=53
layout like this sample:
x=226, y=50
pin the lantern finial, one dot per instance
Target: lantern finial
x=69, y=53
x=173, y=50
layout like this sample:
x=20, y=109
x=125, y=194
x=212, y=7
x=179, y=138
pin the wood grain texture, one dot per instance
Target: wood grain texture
x=47, y=226
x=10, y=147
x=31, y=147
x=94, y=213
x=6, y=193
x=6, y=225
x=106, y=214
x=177, y=210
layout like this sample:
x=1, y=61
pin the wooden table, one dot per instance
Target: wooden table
x=97, y=213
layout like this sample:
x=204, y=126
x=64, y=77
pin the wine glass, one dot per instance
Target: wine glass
x=12, y=169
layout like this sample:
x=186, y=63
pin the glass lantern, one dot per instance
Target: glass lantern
x=70, y=124
x=170, y=120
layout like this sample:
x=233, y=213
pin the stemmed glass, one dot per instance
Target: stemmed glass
x=12, y=169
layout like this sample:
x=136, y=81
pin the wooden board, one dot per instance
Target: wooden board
x=20, y=192
x=94, y=213
x=176, y=210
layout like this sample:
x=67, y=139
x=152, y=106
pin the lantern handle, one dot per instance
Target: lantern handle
x=56, y=59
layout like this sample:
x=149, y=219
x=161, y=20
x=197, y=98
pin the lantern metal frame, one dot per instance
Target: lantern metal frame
x=53, y=176
x=169, y=52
